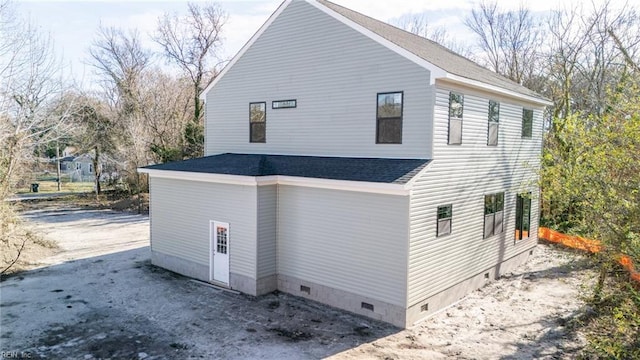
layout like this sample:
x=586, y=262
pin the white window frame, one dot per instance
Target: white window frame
x=527, y=133
x=493, y=216
x=444, y=220
x=493, y=122
x=455, y=118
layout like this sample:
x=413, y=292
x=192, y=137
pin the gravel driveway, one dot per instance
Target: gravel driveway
x=100, y=297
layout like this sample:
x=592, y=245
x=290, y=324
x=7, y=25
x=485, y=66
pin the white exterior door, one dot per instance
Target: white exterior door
x=219, y=252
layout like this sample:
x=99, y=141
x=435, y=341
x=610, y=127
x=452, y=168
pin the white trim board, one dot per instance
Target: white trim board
x=455, y=79
x=344, y=185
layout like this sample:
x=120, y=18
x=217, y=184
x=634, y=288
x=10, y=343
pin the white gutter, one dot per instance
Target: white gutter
x=495, y=89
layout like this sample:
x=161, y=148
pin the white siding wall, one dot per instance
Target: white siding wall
x=267, y=215
x=351, y=241
x=181, y=211
x=334, y=73
x=461, y=175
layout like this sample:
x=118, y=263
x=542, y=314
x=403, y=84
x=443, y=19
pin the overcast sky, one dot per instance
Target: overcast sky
x=73, y=24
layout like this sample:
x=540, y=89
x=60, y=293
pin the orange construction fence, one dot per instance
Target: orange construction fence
x=592, y=246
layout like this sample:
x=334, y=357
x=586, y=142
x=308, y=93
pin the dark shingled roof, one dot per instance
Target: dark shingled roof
x=431, y=51
x=391, y=171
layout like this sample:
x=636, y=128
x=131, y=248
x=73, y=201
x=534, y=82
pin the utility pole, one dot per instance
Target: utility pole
x=58, y=164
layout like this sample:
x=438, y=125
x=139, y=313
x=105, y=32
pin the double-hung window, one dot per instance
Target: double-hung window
x=389, y=118
x=455, y=118
x=527, y=123
x=444, y=220
x=258, y=122
x=523, y=216
x=494, y=122
x=493, y=214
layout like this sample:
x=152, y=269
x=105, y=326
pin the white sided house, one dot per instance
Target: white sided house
x=355, y=164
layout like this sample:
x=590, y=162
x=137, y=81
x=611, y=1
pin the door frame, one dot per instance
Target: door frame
x=212, y=248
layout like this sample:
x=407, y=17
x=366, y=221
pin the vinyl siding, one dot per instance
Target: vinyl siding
x=334, y=73
x=356, y=242
x=267, y=215
x=181, y=213
x=461, y=175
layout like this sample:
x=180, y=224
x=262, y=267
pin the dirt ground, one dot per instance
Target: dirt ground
x=99, y=297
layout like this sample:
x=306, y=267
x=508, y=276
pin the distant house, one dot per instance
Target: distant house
x=78, y=168
x=69, y=151
x=83, y=165
x=355, y=164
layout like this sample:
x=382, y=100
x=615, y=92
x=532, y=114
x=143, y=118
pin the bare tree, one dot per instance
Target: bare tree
x=509, y=40
x=568, y=39
x=192, y=43
x=167, y=112
x=31, y=78
x=591, y=51
x=121, y=60
x=92, y=131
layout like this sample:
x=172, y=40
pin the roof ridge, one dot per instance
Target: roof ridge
x=403, y=30
x=451, y=62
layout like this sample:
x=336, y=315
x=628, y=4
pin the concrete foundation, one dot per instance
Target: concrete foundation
x=423, y=309
x=391, y=313
x=394, y=314
x=180, y=266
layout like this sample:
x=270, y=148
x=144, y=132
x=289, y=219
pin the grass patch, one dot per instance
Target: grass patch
x=612, y=329
x=109, y=199
x=50, y=186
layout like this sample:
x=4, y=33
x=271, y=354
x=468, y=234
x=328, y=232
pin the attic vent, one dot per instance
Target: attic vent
x=486, y=276
x=424, y=307
x=531, y=252
x=367, y=306
x=305, y=289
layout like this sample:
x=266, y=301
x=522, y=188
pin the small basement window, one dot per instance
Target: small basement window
x=455, y=118
x=366, y=306
x=444, y=220
x=258, y=122
x=389, y=118
x=494, y=122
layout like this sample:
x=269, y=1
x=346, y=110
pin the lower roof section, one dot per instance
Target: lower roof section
x=372, y=170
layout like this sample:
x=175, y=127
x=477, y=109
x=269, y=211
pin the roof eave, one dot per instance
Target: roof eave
x=343, y=185
x=456, y=79
x=200, y=176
